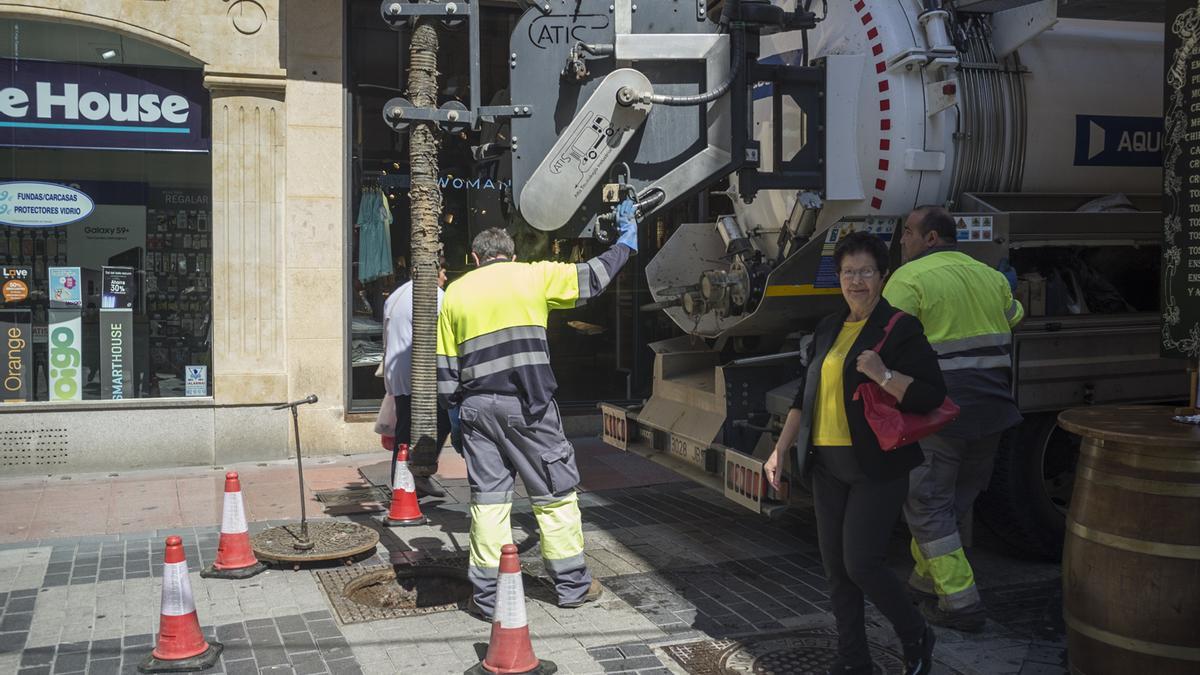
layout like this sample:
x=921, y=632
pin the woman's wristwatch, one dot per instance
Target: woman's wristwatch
x=887, y=377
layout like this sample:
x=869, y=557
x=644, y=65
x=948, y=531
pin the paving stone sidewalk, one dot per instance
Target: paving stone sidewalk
x=687, y=574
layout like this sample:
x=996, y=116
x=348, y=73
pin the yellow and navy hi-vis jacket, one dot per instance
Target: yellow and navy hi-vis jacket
x=968, y=312
x=492, y=326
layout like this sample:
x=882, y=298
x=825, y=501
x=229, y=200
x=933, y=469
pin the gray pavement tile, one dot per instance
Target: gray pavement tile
x=270, y=656
x=102, y=649
x=344, y=667
x=70, y=663
x=55, y=580
x=12, y=642
x=37, y=656
x=296, y=643
x=317, y=616
x=35, y=670
x=241, y=667
x=136, y=640
x=290, y=624
x=606, y=654
x=104, y=667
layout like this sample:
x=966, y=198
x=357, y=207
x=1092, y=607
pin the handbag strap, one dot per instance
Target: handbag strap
x=887, y=330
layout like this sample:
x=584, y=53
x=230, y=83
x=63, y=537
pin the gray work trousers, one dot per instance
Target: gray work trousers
x=501, y=442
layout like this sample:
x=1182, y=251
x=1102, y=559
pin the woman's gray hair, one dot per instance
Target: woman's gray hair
x=493, y=242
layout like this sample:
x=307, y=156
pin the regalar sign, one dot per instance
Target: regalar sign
x=78, y=105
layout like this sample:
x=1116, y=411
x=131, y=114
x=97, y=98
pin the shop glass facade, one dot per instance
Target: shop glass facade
x=105, y=206
x=599, y=351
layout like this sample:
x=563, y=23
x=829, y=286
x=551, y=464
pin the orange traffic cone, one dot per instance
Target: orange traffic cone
x=181, y=645
x=509, y=649
x=235, y=558
x=404, y=510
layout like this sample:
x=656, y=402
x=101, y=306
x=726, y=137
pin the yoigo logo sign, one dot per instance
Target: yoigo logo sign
x=66, y=360
x=81, y=105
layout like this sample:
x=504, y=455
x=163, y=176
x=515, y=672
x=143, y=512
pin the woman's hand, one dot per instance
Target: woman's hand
x=871, y=365
x=771, y=469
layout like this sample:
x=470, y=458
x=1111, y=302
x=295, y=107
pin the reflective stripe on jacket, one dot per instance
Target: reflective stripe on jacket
x=492, y=327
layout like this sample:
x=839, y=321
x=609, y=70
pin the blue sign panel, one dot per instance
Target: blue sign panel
x=74, y=105
x=1107, y=140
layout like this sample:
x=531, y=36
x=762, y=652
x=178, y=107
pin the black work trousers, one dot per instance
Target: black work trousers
x=425, y=463
x=855, y=519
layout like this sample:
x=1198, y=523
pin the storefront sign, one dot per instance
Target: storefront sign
x=116, y=354
x=37, y=204
x=65, y=288
x=1181, y=183
x=195, y=381
x=18, y=355
x=77, y=105
x=66, y=362
x=117, y=291
x=14, y=284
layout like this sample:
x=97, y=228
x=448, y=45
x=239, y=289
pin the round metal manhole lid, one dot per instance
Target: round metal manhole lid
x=332, y=540
x=795, y=654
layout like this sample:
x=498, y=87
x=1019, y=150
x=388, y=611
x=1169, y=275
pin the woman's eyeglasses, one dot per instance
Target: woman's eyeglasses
x=864, y=273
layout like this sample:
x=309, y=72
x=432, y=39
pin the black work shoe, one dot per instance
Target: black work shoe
x=841, y=667
x=426, y=488
x=968, y=619
x=476, y=611
x=593, y=594
x=918, y=656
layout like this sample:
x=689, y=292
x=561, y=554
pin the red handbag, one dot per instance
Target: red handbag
x=893, y=427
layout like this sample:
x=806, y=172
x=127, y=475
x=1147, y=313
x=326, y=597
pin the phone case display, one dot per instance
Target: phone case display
x=178, y=291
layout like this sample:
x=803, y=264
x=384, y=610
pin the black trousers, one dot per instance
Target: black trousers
x=855, y=519
x=423, y=463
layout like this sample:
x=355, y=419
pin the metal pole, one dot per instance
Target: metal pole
x=303, y=543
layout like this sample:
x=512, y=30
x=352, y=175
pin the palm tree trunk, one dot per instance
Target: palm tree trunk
x=426, y=198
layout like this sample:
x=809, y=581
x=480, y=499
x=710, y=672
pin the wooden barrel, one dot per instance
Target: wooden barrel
x=1131, y=564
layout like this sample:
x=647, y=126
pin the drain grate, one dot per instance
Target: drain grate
x=795, y=652
x=362, y=500
x=334, y=583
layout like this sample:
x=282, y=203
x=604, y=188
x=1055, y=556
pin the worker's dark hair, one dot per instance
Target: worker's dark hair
x=493, y=242
x=862, y=242
x=933, y=218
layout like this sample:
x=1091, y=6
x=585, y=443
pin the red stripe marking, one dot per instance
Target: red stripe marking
x=883, y=86
x=877, y=49
x=880, y=67
x=876, y=202
x=866, y=18
x=858, y=6
x=873, y=33
x=883, y=165
x=885, y=104
x=880, y=184
x=885, y=124
x=885, y=144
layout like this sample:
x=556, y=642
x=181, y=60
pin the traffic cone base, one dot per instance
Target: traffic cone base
x=203, y=661
x=544, y=667
x=404, y=510
x=238, y=573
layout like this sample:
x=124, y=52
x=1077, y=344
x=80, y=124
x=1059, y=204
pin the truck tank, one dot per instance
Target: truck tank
x=922, y=107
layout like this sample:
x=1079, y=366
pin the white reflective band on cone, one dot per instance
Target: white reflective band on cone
x=510, y=601
x=177, y=590
x=404, y=478
x=233, y=520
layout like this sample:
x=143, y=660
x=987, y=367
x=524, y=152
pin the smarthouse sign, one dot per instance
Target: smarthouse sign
x=74, y=105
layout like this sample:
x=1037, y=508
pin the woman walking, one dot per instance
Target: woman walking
x=859, y=489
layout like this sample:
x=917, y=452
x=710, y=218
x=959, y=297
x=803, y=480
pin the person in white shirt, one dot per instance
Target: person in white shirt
x=397, y=378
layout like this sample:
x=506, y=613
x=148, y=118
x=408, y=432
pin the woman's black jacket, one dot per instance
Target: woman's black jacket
x=905, y=351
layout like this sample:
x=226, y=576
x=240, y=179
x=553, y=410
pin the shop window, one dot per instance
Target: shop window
x=599, y=351
x=105, y=202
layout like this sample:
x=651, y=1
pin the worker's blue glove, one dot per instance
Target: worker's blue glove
x=627, y=222
x=1009, y=273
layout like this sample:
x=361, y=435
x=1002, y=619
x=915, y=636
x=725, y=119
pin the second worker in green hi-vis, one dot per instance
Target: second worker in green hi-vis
x=494, y=362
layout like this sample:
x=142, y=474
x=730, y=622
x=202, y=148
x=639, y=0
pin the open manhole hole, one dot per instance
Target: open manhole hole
x=791, y=653
x=354, y=500
x=386, y=592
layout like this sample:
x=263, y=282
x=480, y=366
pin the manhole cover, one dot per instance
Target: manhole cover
x=385, y=592
x=795, y=653
x=331, y=539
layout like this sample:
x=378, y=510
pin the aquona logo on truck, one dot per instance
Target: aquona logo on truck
x=1108, y=140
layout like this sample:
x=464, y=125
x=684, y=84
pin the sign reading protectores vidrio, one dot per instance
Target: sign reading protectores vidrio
x=77, y=105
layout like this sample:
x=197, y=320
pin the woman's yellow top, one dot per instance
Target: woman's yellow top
x=829, y=419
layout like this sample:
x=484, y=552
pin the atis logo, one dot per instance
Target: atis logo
x=1106, y=140
x=559, y=29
